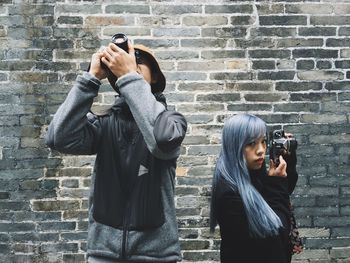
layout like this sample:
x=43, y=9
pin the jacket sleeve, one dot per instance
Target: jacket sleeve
x=73, y=129
x=163, y=131
x=275, y=192
x=292, y=173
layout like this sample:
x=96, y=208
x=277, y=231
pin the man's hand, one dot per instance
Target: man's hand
x=96, y=67
x=280, y=170
x=119, y=61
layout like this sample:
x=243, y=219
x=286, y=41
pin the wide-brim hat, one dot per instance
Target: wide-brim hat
x=158, y=80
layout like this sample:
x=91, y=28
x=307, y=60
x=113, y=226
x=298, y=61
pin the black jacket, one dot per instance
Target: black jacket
x=237, y=246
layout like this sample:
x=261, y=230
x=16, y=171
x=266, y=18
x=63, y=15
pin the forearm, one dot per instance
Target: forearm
x=69, y=128
x=145, y=109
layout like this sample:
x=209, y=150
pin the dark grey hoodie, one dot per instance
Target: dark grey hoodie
x=73, y=131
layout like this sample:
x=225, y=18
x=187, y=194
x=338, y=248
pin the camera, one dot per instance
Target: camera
x=279, y=144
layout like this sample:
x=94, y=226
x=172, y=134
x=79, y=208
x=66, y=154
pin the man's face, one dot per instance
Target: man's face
x=145, y=71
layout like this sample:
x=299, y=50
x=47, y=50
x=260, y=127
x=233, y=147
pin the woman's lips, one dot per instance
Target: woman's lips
x=260, y=160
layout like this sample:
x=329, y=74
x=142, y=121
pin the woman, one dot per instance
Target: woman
x=251, y=205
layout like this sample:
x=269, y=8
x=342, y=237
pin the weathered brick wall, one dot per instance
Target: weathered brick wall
x=285, y=61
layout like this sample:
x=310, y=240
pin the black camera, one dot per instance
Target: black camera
x=121, y=41
x=280, y=144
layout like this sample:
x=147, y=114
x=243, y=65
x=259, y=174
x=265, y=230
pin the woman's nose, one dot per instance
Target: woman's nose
x=260, y=148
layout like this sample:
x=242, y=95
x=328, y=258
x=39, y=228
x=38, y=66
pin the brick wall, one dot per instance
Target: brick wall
x=285, y=61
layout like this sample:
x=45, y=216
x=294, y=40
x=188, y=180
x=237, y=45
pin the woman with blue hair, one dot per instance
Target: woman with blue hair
x=250, y=203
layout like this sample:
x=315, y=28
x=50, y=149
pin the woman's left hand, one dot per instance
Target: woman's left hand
x=280, y=170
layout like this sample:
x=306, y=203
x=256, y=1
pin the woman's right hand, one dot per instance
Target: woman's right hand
x=280, y=170
x=95, y=65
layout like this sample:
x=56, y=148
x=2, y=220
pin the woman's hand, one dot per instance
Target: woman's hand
x=119, y=61
x=95, y=65
x=280, y=170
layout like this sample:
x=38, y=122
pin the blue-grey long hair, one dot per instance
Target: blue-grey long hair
x=231, y=166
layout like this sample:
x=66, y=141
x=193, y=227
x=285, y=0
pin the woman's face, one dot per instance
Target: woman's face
x=254, y=153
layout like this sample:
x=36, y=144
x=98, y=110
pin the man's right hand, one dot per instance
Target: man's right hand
x=96, y=67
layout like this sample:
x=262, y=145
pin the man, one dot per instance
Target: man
x=137, y=142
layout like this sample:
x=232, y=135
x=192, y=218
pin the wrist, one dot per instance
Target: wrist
x=96, y=74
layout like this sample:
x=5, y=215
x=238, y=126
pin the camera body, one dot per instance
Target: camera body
x=280, y=144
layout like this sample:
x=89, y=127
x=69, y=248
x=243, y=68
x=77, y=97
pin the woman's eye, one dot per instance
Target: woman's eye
x=251, y=143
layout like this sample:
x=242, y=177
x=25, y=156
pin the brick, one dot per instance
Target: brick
x=330, y=139
x=312, y=8
x=203, y=43
x=169, y=10
x=273, y=75
x=242, y=20
x=54, y=247
x=158, y=20
x=344, y=31
x=263, y=64
x=299, y=42
x=340, y=107
x=273, y=32
x=176, y=32
x=285, y=64
x=246, y=43
x=282, y=20
x=249, y=107
x=224, y=32
x=74, y=258
x=317, y=31
x=312, y=254
x=75, y=172
x=30, y=10
x=223, y=97
x=169, y=55
x=335, y=42
x=279, y=118
x=344, y=96
x=318, y=53
x=222, y=54
x=75, y=20
x=268, y=53
x=294, y=107
x=230, y=76
x=54, y=205
x=205, y=255
x=324, y=64
x=265, y=97
x=159, y=43
x=342, y=64
x=269, y=8
x=340, y=252
x=326, y=243
x=188, y=233
x=241, y=8
x=313, y=96
x=329, y=20
x=200, y=66
x=65, y=8
x=305, y=64
x=194, y=244
x=204, y=20
x=255, y=86
x=320, y=75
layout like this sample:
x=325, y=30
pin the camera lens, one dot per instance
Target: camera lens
x=121, y=41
